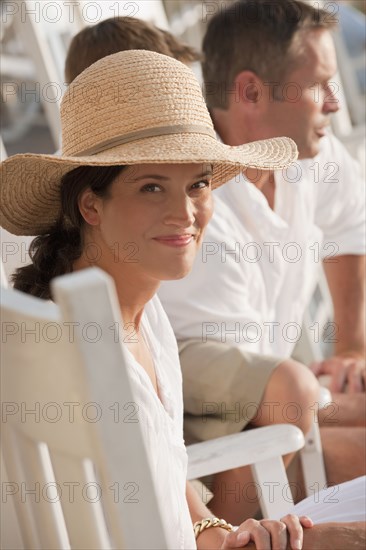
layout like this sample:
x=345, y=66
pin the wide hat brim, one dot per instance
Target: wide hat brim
x=30, y=184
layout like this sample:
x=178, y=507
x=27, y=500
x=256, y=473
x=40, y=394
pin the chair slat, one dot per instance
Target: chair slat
x=38, y=494
x=11, y=456
x=81, y=501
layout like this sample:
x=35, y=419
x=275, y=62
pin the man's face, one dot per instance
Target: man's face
x=302, y=104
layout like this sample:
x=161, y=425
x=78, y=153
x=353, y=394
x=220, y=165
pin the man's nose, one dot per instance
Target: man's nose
x=331, y=100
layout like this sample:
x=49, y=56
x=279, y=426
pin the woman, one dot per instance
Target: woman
x=131, y=194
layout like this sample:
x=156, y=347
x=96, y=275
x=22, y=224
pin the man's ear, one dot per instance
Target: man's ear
x=250, y=88
x=89, y=205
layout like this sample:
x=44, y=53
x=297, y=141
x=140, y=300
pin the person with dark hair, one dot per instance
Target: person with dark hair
x=125, y=33
x=137, y=171
x=131, y=194
x=118, y=34
x=268, y=70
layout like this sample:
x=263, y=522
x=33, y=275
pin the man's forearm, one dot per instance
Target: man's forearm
x=332, y=536
x=346, y=280
x=335, y=536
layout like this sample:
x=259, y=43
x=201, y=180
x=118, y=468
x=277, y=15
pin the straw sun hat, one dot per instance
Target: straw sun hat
x=131, y=107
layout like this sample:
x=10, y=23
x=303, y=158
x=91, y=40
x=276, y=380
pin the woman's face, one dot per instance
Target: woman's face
x=152, y=221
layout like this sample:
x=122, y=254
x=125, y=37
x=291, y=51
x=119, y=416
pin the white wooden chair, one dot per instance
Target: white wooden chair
x=315, y=344
x=262, y=449
x=14, y=249
x=74, y=471
x=317, y=335
x=102, y=460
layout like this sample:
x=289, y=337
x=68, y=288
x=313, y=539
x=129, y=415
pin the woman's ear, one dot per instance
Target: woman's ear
x=251, y=90
x=90, y=206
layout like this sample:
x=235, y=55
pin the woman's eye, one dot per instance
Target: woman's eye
x=151, y=188
x=201, y=184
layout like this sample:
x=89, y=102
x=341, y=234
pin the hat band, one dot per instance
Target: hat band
x=149, y=132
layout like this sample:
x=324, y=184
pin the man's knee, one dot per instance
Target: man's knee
x=297, y=389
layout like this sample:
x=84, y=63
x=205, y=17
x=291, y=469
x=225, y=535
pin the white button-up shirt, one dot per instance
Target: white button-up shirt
x=256, y=270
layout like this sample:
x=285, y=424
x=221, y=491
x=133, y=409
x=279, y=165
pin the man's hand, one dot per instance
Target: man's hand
x=331, y=536
x=267, y=534
x=347, y=371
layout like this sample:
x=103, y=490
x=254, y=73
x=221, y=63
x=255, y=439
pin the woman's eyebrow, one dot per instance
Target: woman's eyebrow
x=150, y=176
x=205, y=173
x=165, y=178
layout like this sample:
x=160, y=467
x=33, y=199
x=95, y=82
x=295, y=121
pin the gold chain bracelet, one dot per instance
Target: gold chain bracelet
x=203, y=524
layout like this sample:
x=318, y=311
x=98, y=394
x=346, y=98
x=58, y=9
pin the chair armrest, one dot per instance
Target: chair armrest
x=242, y=449
x=325, y=397
x=312, y=460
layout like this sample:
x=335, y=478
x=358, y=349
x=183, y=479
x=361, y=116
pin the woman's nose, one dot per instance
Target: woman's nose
x=180, y=212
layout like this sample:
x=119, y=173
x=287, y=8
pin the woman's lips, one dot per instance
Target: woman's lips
x=175, y=240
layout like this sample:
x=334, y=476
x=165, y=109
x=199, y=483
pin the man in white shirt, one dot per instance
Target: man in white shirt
x=268, y=71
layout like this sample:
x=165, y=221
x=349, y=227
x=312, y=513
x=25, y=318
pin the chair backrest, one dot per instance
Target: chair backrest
x=318, y=330
x=14, y=249
x=78, y=469
x=14, y=253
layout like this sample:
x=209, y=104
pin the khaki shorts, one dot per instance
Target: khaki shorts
x=223, y=386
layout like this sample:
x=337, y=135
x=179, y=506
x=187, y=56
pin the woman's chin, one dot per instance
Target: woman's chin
x=176, y=274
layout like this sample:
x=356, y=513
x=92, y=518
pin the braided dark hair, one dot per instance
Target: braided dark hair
x=54, y=253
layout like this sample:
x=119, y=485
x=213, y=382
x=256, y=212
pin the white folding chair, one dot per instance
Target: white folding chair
x=71, y=466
